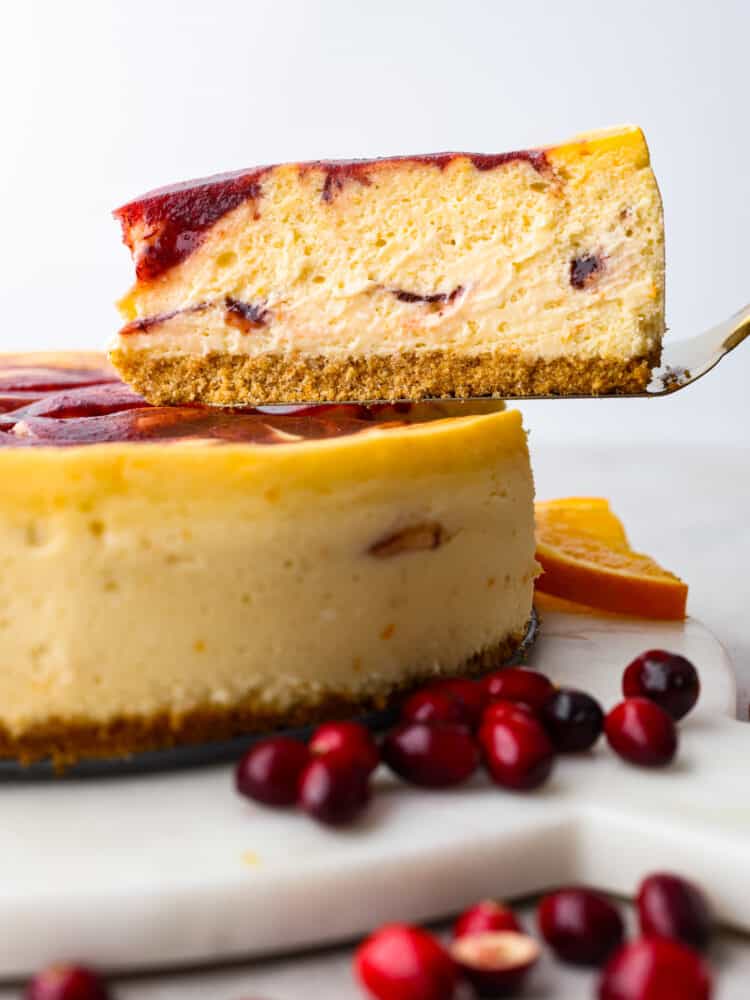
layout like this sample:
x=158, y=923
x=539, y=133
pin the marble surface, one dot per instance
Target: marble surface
x=684, y=505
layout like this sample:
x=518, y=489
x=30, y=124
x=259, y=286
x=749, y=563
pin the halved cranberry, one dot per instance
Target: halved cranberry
x=434, y=706
x=655, y=969
x=641, y=732
x=495, y=963
x=573, y=719
x=519, y=684
x=66, y=982
x=666, y=678
x=470, y=694
x=350, y=738
x=434, y=756
x=270, y=771
x=334, y=789
x=672, y=907
x=518, y=752
x=581, y=926
x=399, y=962
x=486, y=915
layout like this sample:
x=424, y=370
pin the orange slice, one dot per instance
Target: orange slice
x=586, y=558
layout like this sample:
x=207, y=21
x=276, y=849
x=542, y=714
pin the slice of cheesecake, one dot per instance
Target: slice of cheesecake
x=187, y=574
x=454, y=274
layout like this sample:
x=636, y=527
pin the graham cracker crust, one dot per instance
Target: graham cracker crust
x=65, y=741
x=232, y=379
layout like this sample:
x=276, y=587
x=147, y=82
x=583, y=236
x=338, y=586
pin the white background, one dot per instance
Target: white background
x=103, y=100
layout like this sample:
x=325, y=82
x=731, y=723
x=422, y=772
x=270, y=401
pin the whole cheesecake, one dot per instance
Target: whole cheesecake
x=449, y=275
x=184, y=574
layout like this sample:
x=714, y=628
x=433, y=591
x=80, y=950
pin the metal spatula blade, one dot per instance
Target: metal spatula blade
x=685, y=361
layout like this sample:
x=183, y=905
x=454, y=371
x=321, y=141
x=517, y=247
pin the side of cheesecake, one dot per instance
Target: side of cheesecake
x=535, y=272
x=176, y=575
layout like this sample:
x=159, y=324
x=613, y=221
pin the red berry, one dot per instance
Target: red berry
x=655, y=969
x=470, y=693
x=486, y=915
x=435, y=706
x=495, y=963
x=517, y=752
x=641, y=732
x=350, y=738
x=399, y=962
x=573, y=719
x=670, y=906
x=499, y=711
x=433, y=756
x=66, y=982
x=518, y=684
x=334, y=789
x=666, y=678
x=269, y=772
x=580, y=926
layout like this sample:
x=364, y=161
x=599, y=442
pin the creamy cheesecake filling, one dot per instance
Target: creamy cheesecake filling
x=482, y=311
x=513, y=261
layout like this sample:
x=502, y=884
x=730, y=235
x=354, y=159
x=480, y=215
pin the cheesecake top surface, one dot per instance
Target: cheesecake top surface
x=164, y=226
x=76, y=399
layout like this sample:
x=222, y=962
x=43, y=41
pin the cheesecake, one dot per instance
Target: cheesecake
x=451, y=275
x=186, y=574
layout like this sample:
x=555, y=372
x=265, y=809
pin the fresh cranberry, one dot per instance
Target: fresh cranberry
x=519, y=684
x=66, y=982
x=399, y=962
x=270, y=771
x=666, y=678
x=670, y=906
x=470, y=694
x=349, y=738
x=573, y=719
x=435, y=706
x=486, y=915
x=641, y=732
x=503, y=711
x=580, y=926
x=433, y=756
x=655, y=969
x=495, y=963
x=518, y=752
x=497, y=711
x=334, y=789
